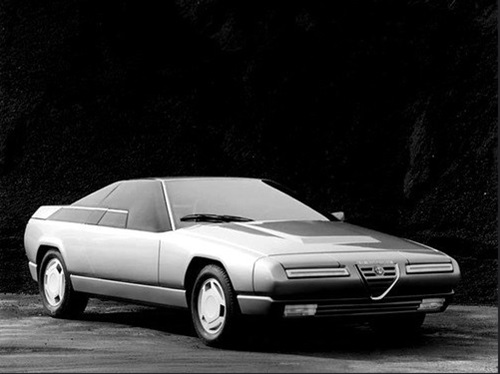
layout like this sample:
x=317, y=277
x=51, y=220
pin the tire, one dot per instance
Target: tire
x=58, y=297
x=407, y=324
x=214, y=309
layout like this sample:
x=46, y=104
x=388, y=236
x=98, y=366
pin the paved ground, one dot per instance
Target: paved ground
x=115, y=337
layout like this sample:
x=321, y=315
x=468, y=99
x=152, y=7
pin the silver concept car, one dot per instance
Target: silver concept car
x=229, y=247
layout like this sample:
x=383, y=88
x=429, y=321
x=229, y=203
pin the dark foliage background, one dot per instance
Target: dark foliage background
x=384, y=109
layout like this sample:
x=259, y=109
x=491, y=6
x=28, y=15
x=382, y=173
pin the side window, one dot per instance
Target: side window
x=95, y=216
x=67, y=214
x=145, y=203
x=114, y=219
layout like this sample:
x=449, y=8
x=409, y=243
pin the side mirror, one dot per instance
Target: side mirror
x=339, y=215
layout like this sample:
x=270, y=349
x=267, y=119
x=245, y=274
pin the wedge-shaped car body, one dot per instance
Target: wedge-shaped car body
x=226, y=248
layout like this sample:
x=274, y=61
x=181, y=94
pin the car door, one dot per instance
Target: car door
x=124, y=243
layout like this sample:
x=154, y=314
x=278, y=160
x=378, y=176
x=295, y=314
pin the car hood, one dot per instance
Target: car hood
x=278, y=238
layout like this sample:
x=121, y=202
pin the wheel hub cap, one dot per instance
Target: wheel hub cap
x=211, y=306
x=54, y=282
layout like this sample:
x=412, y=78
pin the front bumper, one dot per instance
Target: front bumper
x=264, y=305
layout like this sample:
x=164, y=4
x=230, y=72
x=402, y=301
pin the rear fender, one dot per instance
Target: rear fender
x=51, y=242
x=57, y=243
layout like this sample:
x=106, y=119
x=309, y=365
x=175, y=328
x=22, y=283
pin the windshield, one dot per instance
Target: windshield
x=250, y=199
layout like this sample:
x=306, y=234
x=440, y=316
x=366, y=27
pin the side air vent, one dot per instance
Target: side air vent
x=379, y=279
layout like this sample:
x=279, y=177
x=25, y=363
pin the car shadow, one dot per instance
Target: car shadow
x=172, y=321
x=317, y=337
x=323, y=336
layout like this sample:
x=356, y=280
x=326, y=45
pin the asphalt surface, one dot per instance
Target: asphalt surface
x=116, y=337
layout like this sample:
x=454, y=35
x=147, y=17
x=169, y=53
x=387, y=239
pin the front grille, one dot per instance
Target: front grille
x=377, y=281
x=366, y=308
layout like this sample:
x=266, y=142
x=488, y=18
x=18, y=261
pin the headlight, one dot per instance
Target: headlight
x=317, y=273
x=429, y=268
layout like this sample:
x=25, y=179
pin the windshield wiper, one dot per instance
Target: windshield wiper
x=205, y=217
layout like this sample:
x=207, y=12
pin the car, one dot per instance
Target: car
x=226, y=248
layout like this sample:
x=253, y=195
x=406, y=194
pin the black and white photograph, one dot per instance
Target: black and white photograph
x=249, y=186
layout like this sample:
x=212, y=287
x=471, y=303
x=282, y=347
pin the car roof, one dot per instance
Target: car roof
x=189, y=178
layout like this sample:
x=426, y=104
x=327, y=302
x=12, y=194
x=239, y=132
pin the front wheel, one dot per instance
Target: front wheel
x=214, y=309
x=58, y=296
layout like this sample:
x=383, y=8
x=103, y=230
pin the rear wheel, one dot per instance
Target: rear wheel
x=58, y=296
x=214, y=309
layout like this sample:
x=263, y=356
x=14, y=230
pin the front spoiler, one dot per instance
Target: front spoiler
x=264, y=305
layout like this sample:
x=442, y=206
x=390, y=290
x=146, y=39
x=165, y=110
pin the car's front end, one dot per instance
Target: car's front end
x=330, y=269
x=351, y=284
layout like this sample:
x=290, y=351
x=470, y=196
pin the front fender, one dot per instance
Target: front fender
x=178, y=249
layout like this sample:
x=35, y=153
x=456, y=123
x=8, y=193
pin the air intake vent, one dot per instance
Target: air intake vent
x=379, y=279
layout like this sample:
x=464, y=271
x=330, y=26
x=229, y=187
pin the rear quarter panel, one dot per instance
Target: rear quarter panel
x=65, y=236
